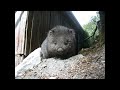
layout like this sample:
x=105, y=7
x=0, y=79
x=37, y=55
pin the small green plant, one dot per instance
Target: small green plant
x=90, y=29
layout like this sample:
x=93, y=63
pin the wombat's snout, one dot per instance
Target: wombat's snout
x=60, y=50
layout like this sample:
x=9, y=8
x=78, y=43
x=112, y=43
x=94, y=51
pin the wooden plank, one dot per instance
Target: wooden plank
x=19, y=35
x=28, y=32
x=19, y=39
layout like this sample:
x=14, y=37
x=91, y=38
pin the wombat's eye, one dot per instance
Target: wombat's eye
x=66, y=42
x=55, y=43
x=70, y=30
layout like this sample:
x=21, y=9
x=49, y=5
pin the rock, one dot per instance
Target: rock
x=52, y=78
x=75, y=67
x=29, y=62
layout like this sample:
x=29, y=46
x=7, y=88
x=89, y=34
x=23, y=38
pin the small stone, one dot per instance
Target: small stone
x=52, y=78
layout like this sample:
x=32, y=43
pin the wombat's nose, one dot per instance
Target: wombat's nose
x=60, y=50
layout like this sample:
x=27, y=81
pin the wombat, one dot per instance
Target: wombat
x=60, y=43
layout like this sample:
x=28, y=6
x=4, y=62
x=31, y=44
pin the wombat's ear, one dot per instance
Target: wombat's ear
x=51, y=31
x=70, y=30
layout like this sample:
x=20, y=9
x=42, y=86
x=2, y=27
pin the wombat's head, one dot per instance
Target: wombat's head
x=61, y=41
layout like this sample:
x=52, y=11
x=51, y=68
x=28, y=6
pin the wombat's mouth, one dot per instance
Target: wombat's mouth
x=60, y=53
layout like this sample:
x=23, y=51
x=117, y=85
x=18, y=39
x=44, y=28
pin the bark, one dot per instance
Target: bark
x=102, y=26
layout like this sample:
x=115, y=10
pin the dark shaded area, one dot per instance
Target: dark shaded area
x=102, y=26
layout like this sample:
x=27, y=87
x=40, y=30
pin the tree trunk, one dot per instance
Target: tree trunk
x=102, y=26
